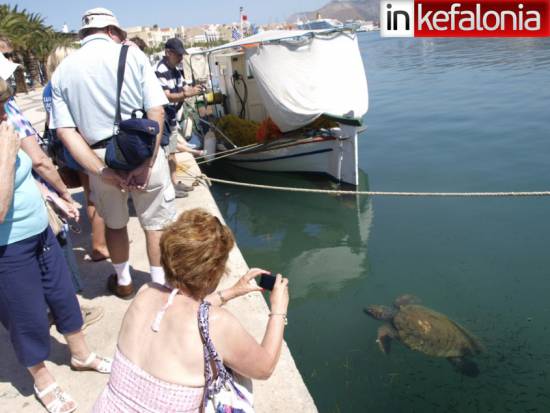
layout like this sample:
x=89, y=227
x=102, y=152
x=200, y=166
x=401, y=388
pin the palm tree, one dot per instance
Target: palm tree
x=32, y=41
x=12, y=25
x=35, y=34
x=48, y=43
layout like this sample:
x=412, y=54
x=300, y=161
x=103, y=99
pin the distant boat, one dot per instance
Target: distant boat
x=320, y=24
x=369, y=27
x=352, y=25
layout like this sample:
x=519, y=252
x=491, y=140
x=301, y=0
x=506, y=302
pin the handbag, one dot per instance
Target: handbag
x=134, y=139
x=222, y=394
x=67, y=166
x=70, y=177
x=55, y=149
x=55, y=221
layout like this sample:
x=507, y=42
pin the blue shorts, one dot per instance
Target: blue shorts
x=34, y=276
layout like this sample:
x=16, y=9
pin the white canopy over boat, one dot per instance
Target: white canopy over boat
x=303, y=74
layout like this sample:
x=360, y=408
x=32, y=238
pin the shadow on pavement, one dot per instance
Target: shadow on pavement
x=94, y=274
x=94, y=277
x=16, y=374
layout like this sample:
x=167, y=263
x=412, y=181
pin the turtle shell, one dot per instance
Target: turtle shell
x=432, y=333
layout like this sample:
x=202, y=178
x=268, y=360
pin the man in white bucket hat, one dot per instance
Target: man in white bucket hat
x=84, y=90
x=100, y=18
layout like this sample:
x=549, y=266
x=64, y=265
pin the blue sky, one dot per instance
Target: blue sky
x=167, y=13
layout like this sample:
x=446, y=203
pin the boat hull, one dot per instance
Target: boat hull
x=334, y=156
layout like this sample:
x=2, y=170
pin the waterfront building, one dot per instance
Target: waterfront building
x=154, y=35
x=208, y=33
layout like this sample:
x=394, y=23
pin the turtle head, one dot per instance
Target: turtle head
x=380, y=312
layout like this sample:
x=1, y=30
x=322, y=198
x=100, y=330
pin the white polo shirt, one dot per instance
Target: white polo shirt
x=84, y=88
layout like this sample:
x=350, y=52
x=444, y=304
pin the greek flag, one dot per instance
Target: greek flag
x=235, y=34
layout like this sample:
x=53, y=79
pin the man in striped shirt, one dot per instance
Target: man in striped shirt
x=176, y=91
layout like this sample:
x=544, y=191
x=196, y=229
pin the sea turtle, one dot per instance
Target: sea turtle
x=427, y=331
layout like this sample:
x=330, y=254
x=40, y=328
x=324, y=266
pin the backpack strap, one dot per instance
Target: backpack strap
x=120, y=81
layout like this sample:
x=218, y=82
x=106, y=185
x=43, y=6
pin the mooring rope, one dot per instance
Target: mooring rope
x=207, y=180
x=225, y=154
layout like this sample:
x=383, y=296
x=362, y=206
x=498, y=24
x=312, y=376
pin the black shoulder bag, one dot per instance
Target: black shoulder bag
x=134, y=139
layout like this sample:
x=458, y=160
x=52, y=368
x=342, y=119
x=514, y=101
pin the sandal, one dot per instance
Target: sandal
x=104, y=365
x=60, y=401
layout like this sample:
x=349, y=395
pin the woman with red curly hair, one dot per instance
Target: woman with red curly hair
x=159, y=363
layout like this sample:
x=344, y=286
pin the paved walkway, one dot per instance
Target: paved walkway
x=285, y=391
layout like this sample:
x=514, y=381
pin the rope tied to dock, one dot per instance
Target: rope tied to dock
x=384, y=193
x=224, y=154
x=207, y=181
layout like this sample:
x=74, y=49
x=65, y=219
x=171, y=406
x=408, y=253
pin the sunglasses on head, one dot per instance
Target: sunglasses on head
x=9, y=55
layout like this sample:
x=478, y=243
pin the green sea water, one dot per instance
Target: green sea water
x=445, y=115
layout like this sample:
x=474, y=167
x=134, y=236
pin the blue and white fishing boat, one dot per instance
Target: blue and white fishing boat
x=294, y=77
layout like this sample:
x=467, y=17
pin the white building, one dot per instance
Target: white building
x=204, y=34
x=212, y=34
x=155, y=36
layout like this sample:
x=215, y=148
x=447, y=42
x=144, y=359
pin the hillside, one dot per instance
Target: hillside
x=343, y=10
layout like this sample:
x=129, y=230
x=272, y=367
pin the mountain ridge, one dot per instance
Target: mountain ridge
x=342, y=10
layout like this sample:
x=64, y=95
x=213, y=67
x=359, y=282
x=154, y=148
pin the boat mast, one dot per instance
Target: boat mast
x=241, y=20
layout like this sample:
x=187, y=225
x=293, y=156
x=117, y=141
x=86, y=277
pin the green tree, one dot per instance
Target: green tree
x=32, y=41
x=12, y=25
x=35, y=36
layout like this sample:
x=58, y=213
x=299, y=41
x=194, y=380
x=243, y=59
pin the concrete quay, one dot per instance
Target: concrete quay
x=285, y=391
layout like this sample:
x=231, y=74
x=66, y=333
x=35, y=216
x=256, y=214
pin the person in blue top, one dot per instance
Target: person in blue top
x=99, y=250
x=33, y=272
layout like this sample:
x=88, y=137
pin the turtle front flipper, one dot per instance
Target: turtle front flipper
x=385, y=335
x=464, y=366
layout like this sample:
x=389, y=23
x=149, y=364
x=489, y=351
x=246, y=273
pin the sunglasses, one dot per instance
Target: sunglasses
x=9, y=55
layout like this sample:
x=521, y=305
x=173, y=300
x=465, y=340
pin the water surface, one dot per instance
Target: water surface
x=445, y=115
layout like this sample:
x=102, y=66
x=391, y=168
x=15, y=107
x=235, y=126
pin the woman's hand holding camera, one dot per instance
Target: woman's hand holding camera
x=244, y=286
x=279, y=296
